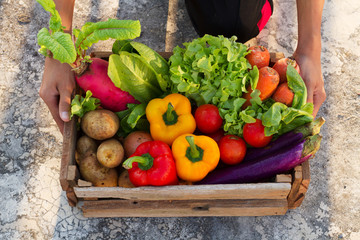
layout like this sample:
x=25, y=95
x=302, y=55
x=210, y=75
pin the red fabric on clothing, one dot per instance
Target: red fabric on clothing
x=266, y=13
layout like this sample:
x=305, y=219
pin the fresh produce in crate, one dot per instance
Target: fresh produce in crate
x=267, y=166
x=214, y=70
x=152, y=164
x=267, y=84
x=195, y=156
x=100, y=124
x=91, y=73
x=110, y=153
x=134, y=139
x=208, y=119
x=283, y=94
x=259, y=56
x=91, y=170
x=284, y=140
x=254, y=134
x=281, y=67
x=84, y=145
x=232, y=149
x=139, y=70
x=170, y=117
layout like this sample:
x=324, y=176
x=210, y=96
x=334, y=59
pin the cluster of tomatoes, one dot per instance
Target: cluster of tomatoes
x=232, y=147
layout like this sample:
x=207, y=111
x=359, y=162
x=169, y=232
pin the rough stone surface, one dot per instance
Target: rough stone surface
x=33, y=206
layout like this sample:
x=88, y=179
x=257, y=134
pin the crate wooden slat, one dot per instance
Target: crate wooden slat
x=183, y=192
x=184, y=208
x=259, y=199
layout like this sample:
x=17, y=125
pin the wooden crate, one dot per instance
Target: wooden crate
x=275, y=197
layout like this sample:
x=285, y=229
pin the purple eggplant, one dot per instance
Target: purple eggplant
x=285, y=140
x=266, y=166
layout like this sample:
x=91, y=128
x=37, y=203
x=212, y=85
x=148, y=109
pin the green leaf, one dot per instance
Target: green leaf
x=55, y=20
x=297, y=85
x=81, y=105
x=116, y=29
x=133, y=119
x=122, y=45
x=59, y=43
x=157, y=62
x=136, y=114
x=131, y=73
x=274, y=115
x=254, y=77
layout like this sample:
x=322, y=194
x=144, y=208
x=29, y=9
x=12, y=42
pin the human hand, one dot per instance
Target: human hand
x=310, y=71
x=56, y=88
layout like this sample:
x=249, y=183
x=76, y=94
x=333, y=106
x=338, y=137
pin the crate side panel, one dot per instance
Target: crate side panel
x=184, y=192
x=233, y=207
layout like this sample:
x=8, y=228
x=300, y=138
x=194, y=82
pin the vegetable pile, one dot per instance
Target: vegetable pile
x=216, y=112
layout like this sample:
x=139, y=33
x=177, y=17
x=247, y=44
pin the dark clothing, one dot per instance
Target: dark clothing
x=243, y=18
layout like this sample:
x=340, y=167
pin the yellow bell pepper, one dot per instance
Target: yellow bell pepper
x=195, y=156
x=170, y=117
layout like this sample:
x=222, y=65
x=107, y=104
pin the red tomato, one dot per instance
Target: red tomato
x=258, y=56
x=281, y=66
x=207, y=118
x=232, y=149
x=254, y=134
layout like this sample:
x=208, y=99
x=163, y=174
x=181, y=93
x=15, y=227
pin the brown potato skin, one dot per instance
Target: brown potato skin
x=91, y=170
x=83, y=145
x=124, y=180
x=134, y=139
x=100, y=124
x=110, y=153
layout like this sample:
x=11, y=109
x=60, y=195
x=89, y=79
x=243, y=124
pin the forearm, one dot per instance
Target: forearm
x=66, y=10
x=309, y=14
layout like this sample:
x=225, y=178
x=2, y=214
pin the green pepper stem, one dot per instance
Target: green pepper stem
x=169, y=113
x=144, y=161
x=194, y=152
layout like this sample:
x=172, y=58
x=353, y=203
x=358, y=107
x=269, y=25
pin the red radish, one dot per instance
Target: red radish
x=96, y=79
x=281, y=66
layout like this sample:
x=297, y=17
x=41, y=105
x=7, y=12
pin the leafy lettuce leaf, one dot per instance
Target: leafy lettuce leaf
x=81, y=105
x=211, y=69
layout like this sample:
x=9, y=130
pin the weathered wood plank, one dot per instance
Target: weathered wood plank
x=73, y=175
x=297, y=178
x=283, y=178
x=82, y=183
x=186, y=192
x=130, y=208
x=304, y=185
x=68, y=151
x=71, y=197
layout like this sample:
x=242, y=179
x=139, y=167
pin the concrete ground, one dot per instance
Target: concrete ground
x=32, y=204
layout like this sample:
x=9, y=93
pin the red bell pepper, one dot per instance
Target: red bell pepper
x=152, y=164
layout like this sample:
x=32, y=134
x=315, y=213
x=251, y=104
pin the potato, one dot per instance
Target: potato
x=134, y=139
x=100, y=124
x=91, y=170
x=83, y=145
x=124, y=180
x=110, y=153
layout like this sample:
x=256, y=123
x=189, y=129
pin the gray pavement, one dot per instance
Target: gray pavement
x=32, y=204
